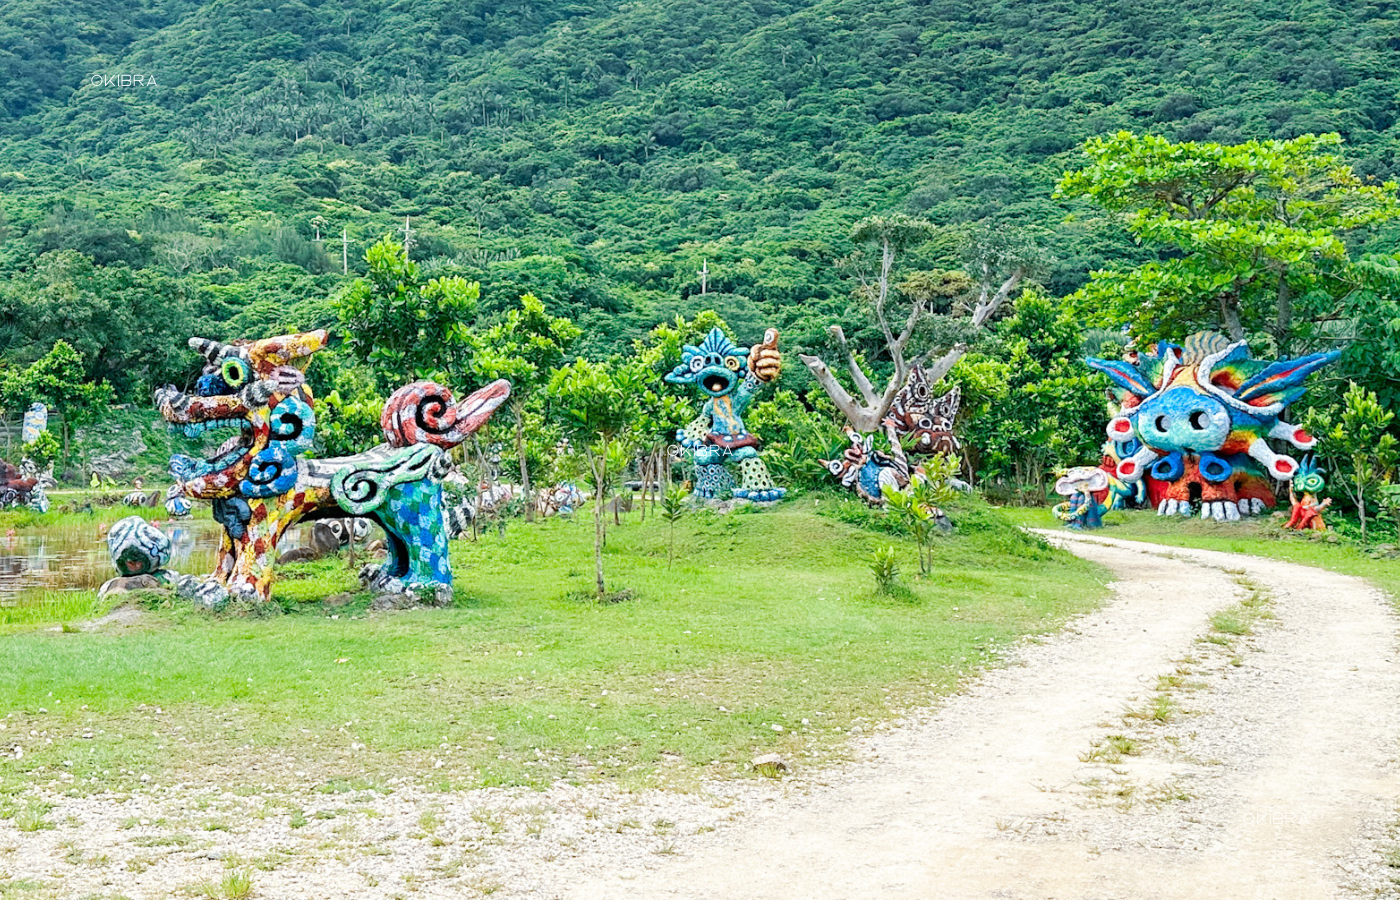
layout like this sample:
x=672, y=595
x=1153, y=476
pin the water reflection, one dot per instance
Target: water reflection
x=72, y=555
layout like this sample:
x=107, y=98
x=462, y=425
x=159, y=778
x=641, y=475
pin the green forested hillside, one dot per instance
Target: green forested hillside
x=599, y=153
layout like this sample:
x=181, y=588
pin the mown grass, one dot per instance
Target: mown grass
x=52, y=608
x=766, y=634
x=58, y=514
x=1260, y=536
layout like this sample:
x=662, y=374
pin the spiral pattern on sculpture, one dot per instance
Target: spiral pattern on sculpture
x=359, y=490
x=421, y=413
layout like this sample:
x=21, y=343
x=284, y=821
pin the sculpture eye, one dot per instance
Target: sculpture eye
x=731, y=363
x=696, y=363
x=234, y=371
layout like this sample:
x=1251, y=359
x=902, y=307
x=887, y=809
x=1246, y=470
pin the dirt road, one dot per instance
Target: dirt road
x=1253, y=769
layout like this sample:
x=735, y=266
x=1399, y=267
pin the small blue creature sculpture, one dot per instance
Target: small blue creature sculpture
x=1081, y=485
x=728, y=377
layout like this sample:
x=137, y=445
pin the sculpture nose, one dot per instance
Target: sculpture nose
x=1196, y=420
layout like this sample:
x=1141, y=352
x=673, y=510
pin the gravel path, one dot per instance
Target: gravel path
x=1259, y=785
x=1144, y=752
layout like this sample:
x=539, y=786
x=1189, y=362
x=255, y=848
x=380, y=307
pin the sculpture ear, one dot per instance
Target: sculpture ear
x=1125, y=375
x=1282, y=382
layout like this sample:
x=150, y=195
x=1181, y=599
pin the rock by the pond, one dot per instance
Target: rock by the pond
x=394, y=601
x=297, y=554
x=120, y=443
x=208, y=594
x=137, y=547
x=126, y=584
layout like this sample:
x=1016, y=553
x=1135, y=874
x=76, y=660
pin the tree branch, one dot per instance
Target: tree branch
x=944, y=364
x=862, y=418
x=987, y=307
x=867, y=390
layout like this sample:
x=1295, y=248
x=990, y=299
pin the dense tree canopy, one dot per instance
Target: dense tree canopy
x=1253, y=235
x=170, y=167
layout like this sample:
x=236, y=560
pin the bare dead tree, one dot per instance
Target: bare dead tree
x=867, y=407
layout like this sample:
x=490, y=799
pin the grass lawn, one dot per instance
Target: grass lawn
x=765, y=634
x=1260, y=536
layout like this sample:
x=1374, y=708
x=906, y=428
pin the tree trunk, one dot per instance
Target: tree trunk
x=1230, y=317
x=524, y=466
x=1283, y=322
x=865, y=412
x=599, y=480
x=1361, y=503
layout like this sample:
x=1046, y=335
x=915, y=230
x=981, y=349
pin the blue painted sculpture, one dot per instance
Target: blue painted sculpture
x=1196, y=420
x=728, y=377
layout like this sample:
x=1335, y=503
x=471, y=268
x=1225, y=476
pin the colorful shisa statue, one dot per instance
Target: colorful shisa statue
x=923, y=422
x=1307, y=510
x=1081, y=486
x=1195, y=422
x=727, y=377
x=867, y=470
x=261, y=482
x=918, y=424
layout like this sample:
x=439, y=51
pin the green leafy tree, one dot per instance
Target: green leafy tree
x=1252, y=235
x=597, y=405
x=918, y=506
x=128, y=325
x=43, y=450
x=673, y=509
x=1032, y=405
x=58, y=380
x=1356, y=439
x=524, y=348
x=401, y=323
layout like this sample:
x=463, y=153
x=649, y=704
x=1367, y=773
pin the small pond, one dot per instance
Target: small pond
x=72, y=555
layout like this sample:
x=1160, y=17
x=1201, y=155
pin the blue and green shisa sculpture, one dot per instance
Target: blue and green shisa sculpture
x=728, y=377
x=254, y=399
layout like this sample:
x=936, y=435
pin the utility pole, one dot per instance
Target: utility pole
x=704, y=277
x=344, y=252
x=407, y=237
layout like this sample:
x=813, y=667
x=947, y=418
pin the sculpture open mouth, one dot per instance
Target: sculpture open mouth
x=224, y=425
x=220, y=448
x=716, y=381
